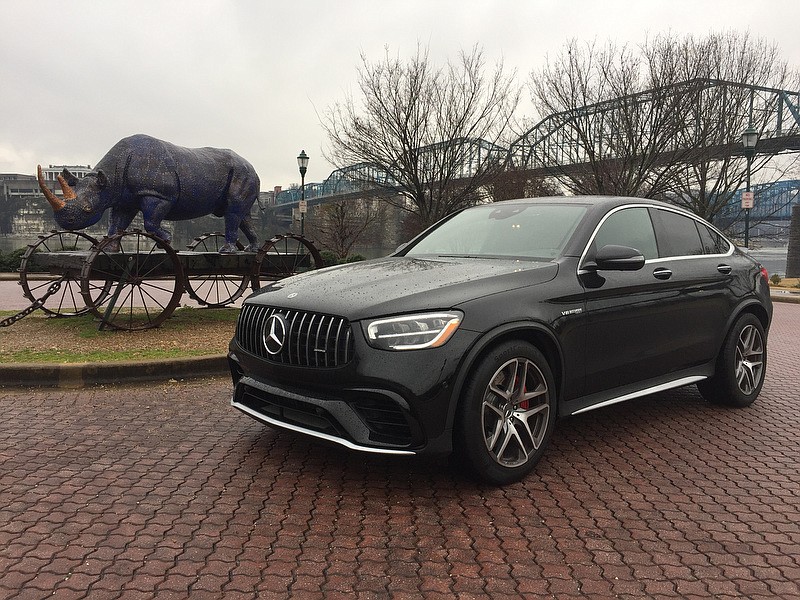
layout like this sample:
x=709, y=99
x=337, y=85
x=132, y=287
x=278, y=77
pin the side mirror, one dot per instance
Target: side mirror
x=615, y=258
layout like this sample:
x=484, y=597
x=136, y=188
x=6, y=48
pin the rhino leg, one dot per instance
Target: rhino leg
x=153, y=212
x=118, y=222
x=247, y=228
x=232, y=224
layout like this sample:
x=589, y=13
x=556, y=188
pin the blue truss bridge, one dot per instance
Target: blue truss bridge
x=551, y=146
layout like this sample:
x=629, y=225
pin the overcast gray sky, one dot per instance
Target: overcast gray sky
x=254, y=75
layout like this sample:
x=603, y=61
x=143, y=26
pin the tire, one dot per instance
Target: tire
x=502, y=430
x=741, y=365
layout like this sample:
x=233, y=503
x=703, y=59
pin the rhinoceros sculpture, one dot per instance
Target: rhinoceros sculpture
x=163, y=181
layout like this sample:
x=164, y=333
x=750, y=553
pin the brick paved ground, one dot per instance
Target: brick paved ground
x=165, y=491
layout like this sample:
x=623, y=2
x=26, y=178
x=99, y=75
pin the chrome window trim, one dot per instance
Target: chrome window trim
x=731, y=247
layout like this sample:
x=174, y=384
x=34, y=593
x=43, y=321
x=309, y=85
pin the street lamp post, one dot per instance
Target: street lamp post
x=749, y=141
x=302, y=162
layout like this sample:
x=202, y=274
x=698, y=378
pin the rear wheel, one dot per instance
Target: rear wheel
x=283, y=256
x=508, y=414
x=741, y=365
x=215, y=289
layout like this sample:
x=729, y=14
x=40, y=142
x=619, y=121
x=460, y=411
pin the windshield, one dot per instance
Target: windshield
x=498, y=230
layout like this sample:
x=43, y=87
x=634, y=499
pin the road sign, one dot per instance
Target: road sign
x=747, y=199
x=303, y=205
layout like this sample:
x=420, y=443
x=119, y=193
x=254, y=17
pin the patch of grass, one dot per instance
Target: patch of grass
x=92, y=356
x=188, y=332
x=87, y=326
x=790, y=282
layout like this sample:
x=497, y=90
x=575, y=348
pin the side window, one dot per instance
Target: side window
x=677, y=234
x=630, y=227
x=713, y=243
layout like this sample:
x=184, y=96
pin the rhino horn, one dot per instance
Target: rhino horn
x=56, y=202
x=69, y=193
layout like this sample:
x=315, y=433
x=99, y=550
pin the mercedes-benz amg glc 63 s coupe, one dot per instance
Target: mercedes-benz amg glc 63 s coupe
x=477, y=335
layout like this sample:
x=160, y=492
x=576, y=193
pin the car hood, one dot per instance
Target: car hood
x=397, y=285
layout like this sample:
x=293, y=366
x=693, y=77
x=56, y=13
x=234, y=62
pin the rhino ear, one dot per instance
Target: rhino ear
x=71, y=179
x=102, y=179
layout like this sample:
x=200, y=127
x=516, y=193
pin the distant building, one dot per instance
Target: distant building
x=52, y=172
x=22, y=204
x=14, y=185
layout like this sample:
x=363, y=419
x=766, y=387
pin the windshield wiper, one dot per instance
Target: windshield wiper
x=483, y=256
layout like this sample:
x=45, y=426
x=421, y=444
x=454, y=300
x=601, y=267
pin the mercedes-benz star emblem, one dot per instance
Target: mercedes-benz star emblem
x=274, y=334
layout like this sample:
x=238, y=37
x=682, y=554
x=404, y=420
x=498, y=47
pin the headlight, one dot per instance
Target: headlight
x=412, y=332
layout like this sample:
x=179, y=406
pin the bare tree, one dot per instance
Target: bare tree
x=517, y=183
x=661, y=120
x=339, y=226
x=609, y=119
x=737, y=78
x=435, y=135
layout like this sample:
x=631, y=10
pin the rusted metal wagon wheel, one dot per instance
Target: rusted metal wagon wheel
x=215, y=290
x=282, y=256
x=68, y=301
x=147, y=280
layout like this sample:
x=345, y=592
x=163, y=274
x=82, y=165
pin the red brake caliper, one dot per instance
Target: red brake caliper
x=524, y=404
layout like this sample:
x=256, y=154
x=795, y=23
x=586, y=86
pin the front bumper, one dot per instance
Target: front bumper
x=381, y=402
x=338, y=421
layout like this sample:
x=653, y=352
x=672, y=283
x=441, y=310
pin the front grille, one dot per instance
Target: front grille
x=312, y=339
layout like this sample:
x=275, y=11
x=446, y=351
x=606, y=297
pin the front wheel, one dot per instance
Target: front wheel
x=146, y=280
x=741, y=365
x=507, y=415
x=68, y=301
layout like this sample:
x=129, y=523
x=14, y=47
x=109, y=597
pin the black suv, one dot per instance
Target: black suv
x=483, y=330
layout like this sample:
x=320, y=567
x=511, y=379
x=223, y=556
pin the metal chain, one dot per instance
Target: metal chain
x=54, y=287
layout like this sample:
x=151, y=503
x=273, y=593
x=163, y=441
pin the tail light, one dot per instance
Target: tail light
x=764, y=274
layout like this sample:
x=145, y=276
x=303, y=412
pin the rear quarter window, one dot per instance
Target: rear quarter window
x=677, y=234
x=713, y=243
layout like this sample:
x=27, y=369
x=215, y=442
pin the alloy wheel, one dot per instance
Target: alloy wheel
x=749, y=359
x=515, y=412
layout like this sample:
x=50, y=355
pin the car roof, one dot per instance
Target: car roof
x=599, y=201
x=597, y=207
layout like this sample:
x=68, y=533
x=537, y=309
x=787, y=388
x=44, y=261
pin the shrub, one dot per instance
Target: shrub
x=328, y=258
x=775, y=279
x=9, y=262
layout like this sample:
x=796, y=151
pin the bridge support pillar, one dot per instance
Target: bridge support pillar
x=793, y=254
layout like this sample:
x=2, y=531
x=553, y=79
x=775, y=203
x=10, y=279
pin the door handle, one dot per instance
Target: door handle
x=724, y=269
x=662, y=273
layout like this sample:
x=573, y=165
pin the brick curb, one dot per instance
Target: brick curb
x=792, y=297
x=78, y=375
